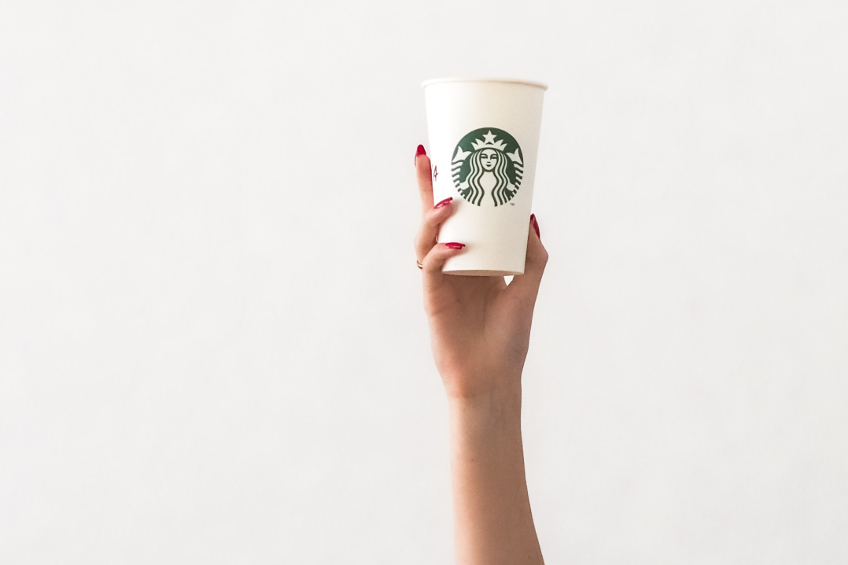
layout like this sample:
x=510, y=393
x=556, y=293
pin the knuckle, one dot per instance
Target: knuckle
x=422, y=240
x=540, y=258
x=431, y=218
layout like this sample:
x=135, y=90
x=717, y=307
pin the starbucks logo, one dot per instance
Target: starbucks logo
x=487, y=161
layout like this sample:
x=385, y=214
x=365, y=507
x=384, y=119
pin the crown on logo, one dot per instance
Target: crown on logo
x=488, y=142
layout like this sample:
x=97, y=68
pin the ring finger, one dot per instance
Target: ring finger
x=427, y=234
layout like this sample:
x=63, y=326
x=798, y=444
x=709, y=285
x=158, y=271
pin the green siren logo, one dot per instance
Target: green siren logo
x=487, y=161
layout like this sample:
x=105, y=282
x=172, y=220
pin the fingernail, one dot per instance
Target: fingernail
x=419, y=151
x=454, y=245
x=443, y=203
x=535, y=225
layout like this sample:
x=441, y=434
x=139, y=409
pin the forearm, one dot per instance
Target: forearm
x=493, y=522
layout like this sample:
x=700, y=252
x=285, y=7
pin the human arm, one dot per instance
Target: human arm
x=493, y=523
x=480, y=332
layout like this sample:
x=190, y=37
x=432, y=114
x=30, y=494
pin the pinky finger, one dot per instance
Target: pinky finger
x=435, y=259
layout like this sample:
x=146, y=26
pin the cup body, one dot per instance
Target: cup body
x=484, y=138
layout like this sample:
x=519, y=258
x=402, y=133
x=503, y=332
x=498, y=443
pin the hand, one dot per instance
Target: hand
x=479, y=326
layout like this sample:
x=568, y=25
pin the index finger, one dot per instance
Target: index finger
x=425, y=180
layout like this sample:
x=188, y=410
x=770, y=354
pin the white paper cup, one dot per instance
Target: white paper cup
x=484, y=137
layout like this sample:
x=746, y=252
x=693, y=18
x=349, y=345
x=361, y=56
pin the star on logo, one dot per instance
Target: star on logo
x=460, y=154
x=488, y=141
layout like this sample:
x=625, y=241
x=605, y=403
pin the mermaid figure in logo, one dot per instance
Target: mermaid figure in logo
x=488, y=172
x=493, y=174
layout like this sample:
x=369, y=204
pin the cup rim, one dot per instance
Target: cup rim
x=537, y=84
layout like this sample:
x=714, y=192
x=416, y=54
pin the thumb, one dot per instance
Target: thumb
x=525, y=287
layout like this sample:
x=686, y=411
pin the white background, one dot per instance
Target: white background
x=212, y=348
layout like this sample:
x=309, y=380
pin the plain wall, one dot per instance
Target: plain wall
x=212, y=345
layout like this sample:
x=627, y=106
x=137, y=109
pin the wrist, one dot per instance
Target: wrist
x=502, y=399
x=495, y=413
x=481, y=387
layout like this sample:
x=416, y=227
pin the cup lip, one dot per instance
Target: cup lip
x=537, y=84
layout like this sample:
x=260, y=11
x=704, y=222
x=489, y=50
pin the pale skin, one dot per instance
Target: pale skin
x=480, y=333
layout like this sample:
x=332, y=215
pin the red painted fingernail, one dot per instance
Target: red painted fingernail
x=535, y=225
x=454, y=245
x=419, y=151
x=443, y=203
